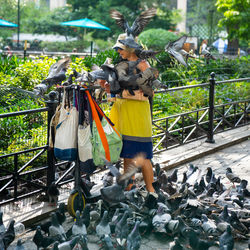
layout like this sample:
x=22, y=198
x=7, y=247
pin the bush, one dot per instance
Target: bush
x=156, y=39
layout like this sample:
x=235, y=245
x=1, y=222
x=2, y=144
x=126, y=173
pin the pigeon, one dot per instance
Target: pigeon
x=86, y=215
x=2, y=227
x=103, y=227
x=121, y=229
x=191, y=170
x=209, y=174
x=184, y=179
x=146, y=54
x=115, y=193
x=161, y=219
x=53, y=193
x=19, y=245
x=138, y=25
x=9, y=235
x=232, y=177
x=40, y=240
x=224, y=214
x=79, y=228
x=177, y=245
x=198, y=244
x=186, y=55
x=207, y=55
x=56, y=230
x=226, y=239
x=108, y=179
x=173, y=176
x=134, y=238
x=115, y=218
x=57, y=74
x=207, y=225
x=173, y=48
x=235, y=223
x=68, y=245
x=107, y=242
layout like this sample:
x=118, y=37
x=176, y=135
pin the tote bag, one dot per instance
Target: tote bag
x=65, y=147
x=106, y=141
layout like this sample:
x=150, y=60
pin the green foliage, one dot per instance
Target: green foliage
x=156, y=38
x=235, y=17
x=9, y=64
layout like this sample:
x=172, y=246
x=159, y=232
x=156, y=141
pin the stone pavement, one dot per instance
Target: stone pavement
x=231, y=149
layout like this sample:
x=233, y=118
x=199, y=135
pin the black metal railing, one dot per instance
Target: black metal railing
x=169, y=132
x=179, y=129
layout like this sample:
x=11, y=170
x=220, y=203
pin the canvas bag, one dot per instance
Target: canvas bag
x=106, y=141
x=65, y=147
x=86, y=163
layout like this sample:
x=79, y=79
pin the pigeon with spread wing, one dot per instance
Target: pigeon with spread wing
x=174, y=49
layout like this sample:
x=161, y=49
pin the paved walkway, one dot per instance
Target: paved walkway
x=231, y=149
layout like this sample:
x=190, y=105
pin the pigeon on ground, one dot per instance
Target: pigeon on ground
x=209, y=174
x=134, y=238
x=224, y=214
x=19, y=245
x=177, y=245
x=56, y=230
x=173, y=176
x=122, y=230
x=103, y=227
x=67, y=245
x=9, y=235
x=79, y=228
x=184, y=179
x=107, y=242
x=198, y=244
x=40, y=240
x=2, y=227
x=173, y=48
x=115, y=218
x=191, y=169
x=108, y=179
x=226, y=239
x=207, y=225
x=53, y=193
x=86, y=215
x=235, y=223
x=231, y=176
x=160, y=220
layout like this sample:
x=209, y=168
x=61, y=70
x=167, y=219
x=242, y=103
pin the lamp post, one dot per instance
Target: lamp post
x=18, y=22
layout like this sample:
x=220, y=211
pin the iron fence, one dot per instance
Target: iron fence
x=22, y=176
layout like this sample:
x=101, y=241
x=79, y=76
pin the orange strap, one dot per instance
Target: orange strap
x=99, y=126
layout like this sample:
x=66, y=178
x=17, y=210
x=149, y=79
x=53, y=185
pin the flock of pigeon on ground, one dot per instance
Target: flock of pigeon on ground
x=196, y=212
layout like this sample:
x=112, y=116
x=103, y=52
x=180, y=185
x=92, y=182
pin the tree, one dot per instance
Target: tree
x=236, y=19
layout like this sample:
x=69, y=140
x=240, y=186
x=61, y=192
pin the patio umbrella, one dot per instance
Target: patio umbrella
x=4, y=23
x=85, y=23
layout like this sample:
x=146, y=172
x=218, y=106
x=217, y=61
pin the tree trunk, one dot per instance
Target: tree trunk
x=233, y=43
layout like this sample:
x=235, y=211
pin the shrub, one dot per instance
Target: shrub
x=156, y=39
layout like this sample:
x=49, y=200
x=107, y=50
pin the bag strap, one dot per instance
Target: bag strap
x=99, y=126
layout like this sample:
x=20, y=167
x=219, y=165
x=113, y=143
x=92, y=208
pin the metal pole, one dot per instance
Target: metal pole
x=51, y=104
x=18, y=22
x=210, y=133
x=91, y=48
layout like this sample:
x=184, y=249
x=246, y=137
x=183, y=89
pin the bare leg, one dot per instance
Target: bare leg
x=148, y=175
x=128, y=162
x=147, y=172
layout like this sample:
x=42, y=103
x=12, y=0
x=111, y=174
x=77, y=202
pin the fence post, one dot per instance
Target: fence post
x=51, y=104
x=210, y=134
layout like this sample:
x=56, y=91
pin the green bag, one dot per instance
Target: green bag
x=114, y=143
x=106, y=140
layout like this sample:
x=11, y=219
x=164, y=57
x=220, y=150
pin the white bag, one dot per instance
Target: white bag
x=84, y=143
x=65, y=147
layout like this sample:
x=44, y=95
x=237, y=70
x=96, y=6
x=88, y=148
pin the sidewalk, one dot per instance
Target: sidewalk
x=29, y=210
x=231, y=149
